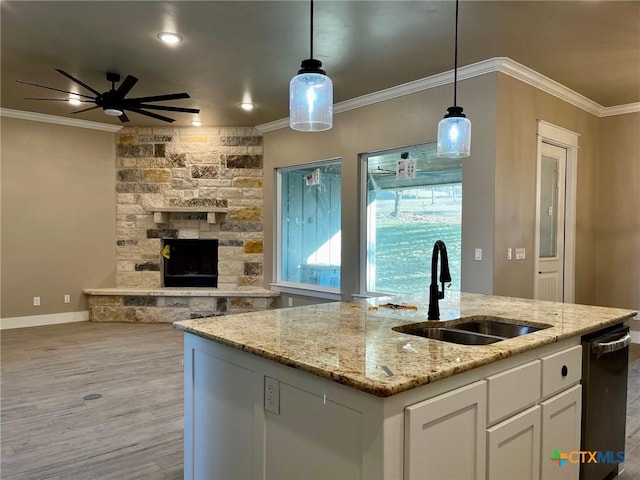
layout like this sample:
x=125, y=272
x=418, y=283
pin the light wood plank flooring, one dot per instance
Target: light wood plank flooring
x=135, y=429
x=52, y=430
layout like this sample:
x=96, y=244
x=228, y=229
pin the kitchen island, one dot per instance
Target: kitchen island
x=333, y=391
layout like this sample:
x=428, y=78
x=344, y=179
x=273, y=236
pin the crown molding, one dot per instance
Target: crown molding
x=71, y=122
x=497, y=64
x=621, y=109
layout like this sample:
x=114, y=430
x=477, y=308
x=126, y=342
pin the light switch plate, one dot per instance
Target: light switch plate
x=478, y=254
x=520, y=253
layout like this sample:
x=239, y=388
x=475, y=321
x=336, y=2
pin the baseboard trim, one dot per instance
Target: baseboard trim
x=40, y=320
x=635, y=336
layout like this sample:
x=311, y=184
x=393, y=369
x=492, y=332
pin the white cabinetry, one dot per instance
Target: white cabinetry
x=561, y=431
x=445, y=435
x=491, y=421
x=521, y=446
x=514, y=447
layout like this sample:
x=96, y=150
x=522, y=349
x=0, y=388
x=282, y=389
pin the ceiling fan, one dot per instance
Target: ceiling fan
x=114, y=103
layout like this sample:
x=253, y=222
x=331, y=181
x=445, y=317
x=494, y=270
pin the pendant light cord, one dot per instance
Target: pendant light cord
x=311, y=33
x=455, y=62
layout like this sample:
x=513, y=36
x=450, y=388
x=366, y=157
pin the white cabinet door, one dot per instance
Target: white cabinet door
x=445, y=435
x=514, y=447
x=561, y=434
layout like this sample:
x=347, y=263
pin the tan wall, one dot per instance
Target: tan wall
x=519, y=107
x=58, y=216
x=618, y=219
x=406, y=120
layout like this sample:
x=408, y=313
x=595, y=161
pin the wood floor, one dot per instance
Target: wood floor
x=52, y=429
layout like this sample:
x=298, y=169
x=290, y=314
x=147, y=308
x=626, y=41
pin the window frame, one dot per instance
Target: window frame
x=363, y=214
x=294, y=288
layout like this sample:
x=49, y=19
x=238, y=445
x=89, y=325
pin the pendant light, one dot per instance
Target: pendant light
x=454, y=130
x=311, y=95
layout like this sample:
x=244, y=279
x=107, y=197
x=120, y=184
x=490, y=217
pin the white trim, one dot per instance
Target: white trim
x=497, y=64
x=71, y=122
x=307, y=291
x=621, y=109
x=567, y=139
x=39, y=320
x=558, y=135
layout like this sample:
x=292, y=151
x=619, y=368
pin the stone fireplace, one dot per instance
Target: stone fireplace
x=187, y=184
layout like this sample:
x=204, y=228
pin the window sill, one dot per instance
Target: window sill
x=307, y=291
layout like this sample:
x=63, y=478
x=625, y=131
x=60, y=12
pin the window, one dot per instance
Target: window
x=308, y=230
x=412, y=198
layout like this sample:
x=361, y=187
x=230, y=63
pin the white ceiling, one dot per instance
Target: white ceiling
x=241, y=49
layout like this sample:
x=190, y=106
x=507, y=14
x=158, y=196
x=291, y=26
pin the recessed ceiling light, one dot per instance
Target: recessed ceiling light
x=248, y=106
x=170, y=38
x=196, y=123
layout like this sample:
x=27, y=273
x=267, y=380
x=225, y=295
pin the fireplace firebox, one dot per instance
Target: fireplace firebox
x=190, y=263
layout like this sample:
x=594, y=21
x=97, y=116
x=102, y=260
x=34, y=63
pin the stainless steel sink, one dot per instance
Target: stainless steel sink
x=473, y=331
x=499, y=329
x=452, y=335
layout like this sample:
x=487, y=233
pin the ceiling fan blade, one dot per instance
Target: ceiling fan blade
x=54, y=89
x=58, y=99
x=123, y=118
x=167, y=108
x=152, y=115
x=86, y=109
x=126, y=86
x=157, y=98
x=79, y=82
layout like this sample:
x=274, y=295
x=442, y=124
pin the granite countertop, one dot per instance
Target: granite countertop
x=353, y=342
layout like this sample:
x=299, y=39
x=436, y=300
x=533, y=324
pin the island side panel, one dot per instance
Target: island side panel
x=321, y=430
x=223, y=415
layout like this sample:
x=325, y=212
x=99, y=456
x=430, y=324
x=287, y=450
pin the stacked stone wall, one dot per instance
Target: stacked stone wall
x=189, y=167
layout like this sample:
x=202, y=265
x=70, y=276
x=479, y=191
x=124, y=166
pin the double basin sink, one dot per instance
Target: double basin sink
x=472, y=331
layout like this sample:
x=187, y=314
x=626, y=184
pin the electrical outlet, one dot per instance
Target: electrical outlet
x=36, y=301
x=181, y=193
x=290, y=302
x=272, y=395
x=196, y=193
x=478, y=254
x=67, y=298
x=509, y=253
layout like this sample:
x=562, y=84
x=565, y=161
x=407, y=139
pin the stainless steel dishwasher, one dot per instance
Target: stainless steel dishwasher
x=605, y=366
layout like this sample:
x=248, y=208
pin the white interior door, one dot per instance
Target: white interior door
x=551, y=223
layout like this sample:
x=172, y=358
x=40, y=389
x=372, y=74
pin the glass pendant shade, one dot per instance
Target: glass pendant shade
x=454, y=136
x=454, y=130
x=311, y=99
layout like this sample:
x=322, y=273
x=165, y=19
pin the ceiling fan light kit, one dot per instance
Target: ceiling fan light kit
x=454, y=130
x=115, y=102
x=311, y=95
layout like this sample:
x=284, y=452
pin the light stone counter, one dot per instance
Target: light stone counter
x=353, y=343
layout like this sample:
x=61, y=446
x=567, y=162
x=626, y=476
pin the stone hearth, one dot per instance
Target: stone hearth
x=167, y=305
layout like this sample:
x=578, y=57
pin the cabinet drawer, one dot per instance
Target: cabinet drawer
x=561, y=370
x=513, y=390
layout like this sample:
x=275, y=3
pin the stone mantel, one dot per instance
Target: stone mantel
x=161, y=214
